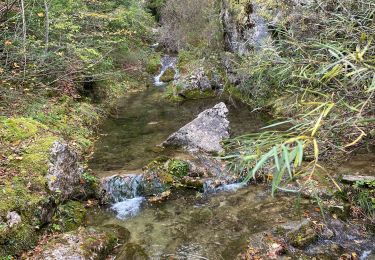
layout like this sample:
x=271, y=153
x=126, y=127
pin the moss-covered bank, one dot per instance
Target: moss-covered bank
x=41, y=110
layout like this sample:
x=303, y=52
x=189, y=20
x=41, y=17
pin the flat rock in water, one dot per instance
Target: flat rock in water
x=78, y=245
x=355, y=178
x=204, y=133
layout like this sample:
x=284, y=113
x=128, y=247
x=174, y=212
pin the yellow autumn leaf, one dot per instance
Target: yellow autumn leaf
x=41, y=14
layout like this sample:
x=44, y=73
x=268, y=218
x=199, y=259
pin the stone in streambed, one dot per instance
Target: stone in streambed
x=120, y=187
x=168, y=75
x=299, y=233
x=133, y=251
x=204, y=133
x=82, y=244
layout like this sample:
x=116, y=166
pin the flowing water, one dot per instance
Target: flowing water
x=143, y=120
x=189, y=225
x=166, y=62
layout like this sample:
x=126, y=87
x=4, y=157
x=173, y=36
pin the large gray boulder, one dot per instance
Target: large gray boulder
x=204, y=133
x=65, y=172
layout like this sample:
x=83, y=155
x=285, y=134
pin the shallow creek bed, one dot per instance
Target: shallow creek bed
x=243, y=224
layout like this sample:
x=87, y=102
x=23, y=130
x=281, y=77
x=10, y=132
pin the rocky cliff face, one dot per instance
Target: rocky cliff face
x=244, y=29
x=249, y=24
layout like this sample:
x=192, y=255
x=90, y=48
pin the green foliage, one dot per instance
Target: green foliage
x=168, y=75
x=66, y=42
x=56, y=82
x=178, y=168
x=154, y=64
x=19, y=238
x=68, y=216
x=18, y=129
x=365, y=197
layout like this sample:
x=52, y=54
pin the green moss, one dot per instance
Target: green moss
x=100, y=242
x=17, y=239
x=36, y=155
x=69, y=216
x=168, y=75
x=198, y=94
x=17, y=195
x=154, y=64
x=178, y=168
x=19, y=128
x=133, y=251
x=303, y=236
x=185, y=58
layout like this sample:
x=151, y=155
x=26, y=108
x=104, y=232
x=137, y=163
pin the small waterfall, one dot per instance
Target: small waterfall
x=166, y=62
x=124, y=192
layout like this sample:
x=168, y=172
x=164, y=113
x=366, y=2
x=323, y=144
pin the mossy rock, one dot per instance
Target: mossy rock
x=163, y=174
x=122, y=233
x=154, y=64
x=134, y=252
x=17, y=239
x=84, y=243
x=35, y=158
x=69, y=216
x=178, y=168
x=168, y=75
x=302, y=236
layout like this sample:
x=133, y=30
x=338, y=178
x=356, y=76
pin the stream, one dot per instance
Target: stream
x=191, y=225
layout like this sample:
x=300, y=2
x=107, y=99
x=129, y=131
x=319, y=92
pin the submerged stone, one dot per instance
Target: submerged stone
x=204, y=133
x=133, y=251
x=301, y=233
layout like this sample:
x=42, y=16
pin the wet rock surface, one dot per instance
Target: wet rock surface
x=245, y=30
x=168, y=75
x=204, y=133
x=86, y=243
x=310, y=238
x=65, y=172
x=201, y=81
x=119, y=187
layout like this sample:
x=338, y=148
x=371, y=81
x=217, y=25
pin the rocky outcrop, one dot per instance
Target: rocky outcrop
x=201, y=81
x=244, y=28
x=204, y=133
x=82, y=244
x=65, y=172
